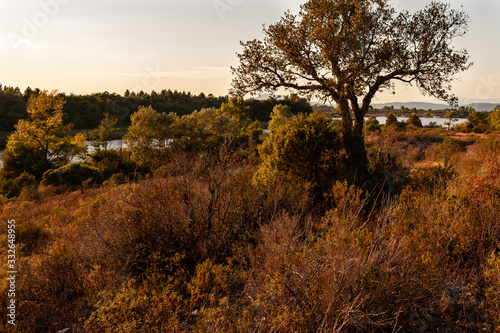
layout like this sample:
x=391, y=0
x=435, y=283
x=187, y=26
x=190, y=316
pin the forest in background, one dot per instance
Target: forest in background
x=87, y=111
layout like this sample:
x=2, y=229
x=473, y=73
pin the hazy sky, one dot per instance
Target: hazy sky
x=85, y=46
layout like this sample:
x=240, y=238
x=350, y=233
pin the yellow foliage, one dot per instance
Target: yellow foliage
x=41, y=142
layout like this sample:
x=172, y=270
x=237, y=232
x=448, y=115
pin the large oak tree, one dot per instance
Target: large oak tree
x=346, y=51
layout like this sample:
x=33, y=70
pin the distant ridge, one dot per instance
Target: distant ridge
x=436, y=106
x=411, y=105
x=478, y=106
x=484, y=106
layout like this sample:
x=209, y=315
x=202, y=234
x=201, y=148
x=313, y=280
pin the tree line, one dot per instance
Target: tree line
x=403, y=111
x=87, y=111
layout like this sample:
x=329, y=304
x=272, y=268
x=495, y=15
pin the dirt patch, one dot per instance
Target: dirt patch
x=466, y=136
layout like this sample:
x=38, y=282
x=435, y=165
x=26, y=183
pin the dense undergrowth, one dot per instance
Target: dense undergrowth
x=200, y=245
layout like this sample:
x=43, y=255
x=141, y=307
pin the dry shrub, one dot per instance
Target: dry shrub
x=57, y=261
x=432, y=153
x=461, y=226
x=184, y=236
x=490, y=145
x=190, y=229
x=335, y=274
x=479, y=232
x=472, y=161
x=132, y=308
x=202, y=214
x=49, y=291
x=415, y=265
x=492, y=275
x=414, y=154
x=431, y=179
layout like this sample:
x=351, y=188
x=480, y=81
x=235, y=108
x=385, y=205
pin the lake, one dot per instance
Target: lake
x=113, y=144
x=425, y=121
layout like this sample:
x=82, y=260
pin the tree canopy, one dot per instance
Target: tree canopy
x=149, y=134
x=305, y=147
x=42, y=141
x=495, y=118
x=348, y=50
x=279, y=116
x=102, y=135
x=414, y=120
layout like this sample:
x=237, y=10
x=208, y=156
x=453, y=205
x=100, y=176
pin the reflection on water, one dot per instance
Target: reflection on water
x=113, y=144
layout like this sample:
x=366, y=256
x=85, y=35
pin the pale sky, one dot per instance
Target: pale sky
x=86, y=46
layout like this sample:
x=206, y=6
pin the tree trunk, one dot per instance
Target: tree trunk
x=354, y=144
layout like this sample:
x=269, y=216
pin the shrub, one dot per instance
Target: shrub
x=490, y=146
x=494, y=119
x=279, y=116
x=134, y=308
x=74, y=174
x=372, y=124
x=31, y=236
x=307, y=148
x=386, y=166
x=451, y=147
x=12, y=188
x=391, y=119
x=51, y=290
x=414, y=120
x=492, y=275
x=112, y=162
x=201, y=211
x=415, y=154
x=432, y=178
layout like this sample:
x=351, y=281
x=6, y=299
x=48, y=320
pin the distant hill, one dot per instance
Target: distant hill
x=484, y=106
x=436, y=106
x=411, y=105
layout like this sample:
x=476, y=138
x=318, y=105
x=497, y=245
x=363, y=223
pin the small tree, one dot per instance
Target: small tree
x=414, y=120
x=495, y=119
x=102, y=135
x=238, y=125
x=279, y=116
x=42, y=141
x=306, y=147
x=149, y=135
x=451, y=116
x=391, y=119
x=208, y=129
